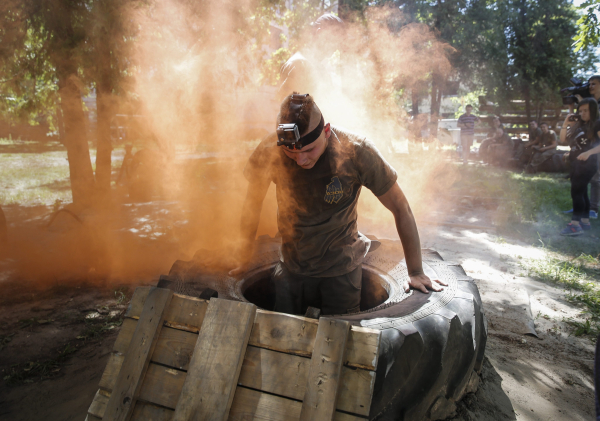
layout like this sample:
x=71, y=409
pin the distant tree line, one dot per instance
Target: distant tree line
x=53, y=52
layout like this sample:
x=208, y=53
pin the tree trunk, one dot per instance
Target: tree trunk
x=527, y=102
x=104, y=110
x=78, y=151
x=436, y=102
x=415, y=102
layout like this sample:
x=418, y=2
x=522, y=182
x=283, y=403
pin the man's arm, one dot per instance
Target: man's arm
x=251, y=209
x=552, y=145
x=396, y=202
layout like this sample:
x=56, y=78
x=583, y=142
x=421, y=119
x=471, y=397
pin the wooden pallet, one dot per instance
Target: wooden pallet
x=182, y=358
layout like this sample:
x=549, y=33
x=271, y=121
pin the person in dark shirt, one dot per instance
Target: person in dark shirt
x=466, y=122
x=544, y=148
x=501, y=149
x=525, y=151
x=318, y=176
x=581, y=131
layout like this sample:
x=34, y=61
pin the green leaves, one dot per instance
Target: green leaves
x=588, y=34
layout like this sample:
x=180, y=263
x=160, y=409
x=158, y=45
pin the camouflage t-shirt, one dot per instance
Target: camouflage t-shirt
x=317, y=208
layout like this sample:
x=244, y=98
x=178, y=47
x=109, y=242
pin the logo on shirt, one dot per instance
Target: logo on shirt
x=334, y=191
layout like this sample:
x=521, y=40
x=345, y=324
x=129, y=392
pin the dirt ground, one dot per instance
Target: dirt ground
x=55, y=338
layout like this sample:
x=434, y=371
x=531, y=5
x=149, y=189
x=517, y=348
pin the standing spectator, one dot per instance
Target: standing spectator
x=582, y=132
x=594, y=82
x=544, y=149
x=466, y=122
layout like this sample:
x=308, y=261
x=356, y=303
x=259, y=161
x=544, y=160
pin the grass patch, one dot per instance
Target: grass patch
x=534, y=205
x=37, y=173
x=580, y=277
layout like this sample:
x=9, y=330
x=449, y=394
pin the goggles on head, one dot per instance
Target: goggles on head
x=288, y=134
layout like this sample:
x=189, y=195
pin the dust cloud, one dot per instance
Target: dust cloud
x=196, y=75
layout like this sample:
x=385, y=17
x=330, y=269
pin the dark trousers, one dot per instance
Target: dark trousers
x=595, y=191
x=581, y=175
x=333, y=295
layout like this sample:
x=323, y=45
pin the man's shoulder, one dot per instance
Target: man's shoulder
x=349, y=138
x=268, y=145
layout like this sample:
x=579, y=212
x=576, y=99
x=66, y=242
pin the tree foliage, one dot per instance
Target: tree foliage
x=588, y=32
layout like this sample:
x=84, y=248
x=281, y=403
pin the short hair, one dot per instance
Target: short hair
x=533, y=121
x=543, y=123
x=328, y=21
x=304, y=116
x=468, y=105
x=595, y=77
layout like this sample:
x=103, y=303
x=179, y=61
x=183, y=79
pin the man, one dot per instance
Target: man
x=544, y=149
x=525, y=151
x=305, y=72
x=501, y=149
x=318, y=171
x=466, y=123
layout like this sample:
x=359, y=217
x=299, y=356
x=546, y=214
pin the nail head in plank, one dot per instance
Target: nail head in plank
x=324, y=376
x=215, y=367
x=130, y=378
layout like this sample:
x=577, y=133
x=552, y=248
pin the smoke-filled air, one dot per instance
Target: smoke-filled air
x=201, y=90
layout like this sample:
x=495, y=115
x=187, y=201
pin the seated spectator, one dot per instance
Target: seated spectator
x=491, y=138
x=525, y=151
x=500, y=150
x=543, y=149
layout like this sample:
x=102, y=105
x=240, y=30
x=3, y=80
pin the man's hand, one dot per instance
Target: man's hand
x=422, y=282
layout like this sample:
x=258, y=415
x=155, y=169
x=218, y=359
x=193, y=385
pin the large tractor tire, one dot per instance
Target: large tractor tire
x=432, y=345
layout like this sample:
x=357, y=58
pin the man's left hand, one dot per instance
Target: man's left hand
x=422, y=283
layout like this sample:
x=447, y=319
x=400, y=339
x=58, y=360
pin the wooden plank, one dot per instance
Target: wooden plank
x=184, y=313
x=129, y=381
x=296, y=335
x=271, y=330
x=253, y=405
x=173, y=347
x=141, y=412
x=362, y=349
x=262, y=369
x=284, y=333
x=286, y=375
x=98, y=405
x=162, y=385
x=324, y=376
x=215, y=367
